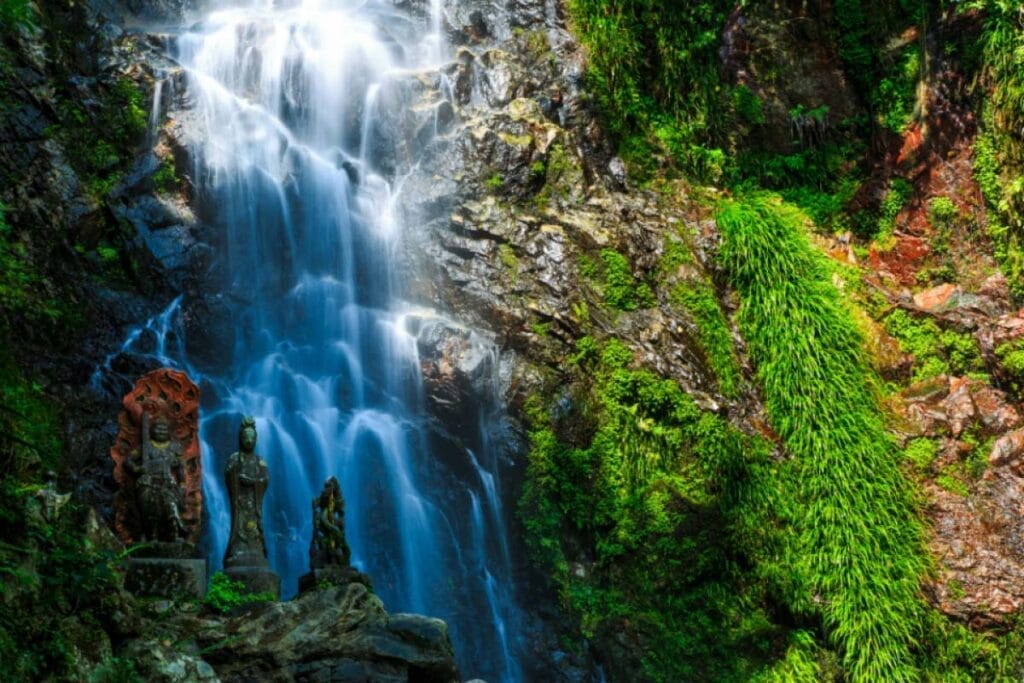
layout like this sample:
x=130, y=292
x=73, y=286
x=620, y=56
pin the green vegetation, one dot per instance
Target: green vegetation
x=495, y=182
x=701, y=303
x=655, y=495
x=936, y=351
x=895, y=199
x=654, y=75
x=999, y=154
x=14, y=13
x=224, y=594
x=100, y=140
x=622, y=291
x=24, y=291
x=921, y=453
x=857, y=538
x=166, y=177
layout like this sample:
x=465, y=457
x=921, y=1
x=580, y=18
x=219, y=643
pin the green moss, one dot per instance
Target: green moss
x=622, y=291
x=654, y=494
x=495, y=182
x=166, y=177
x=100, y=141
x=935, y=351
x=715, y=337
x=921, y=453
x=895, y=199
x=857, y=539
x=24, y=291
x=224, y=594
x=508, y=258
x=952, y=483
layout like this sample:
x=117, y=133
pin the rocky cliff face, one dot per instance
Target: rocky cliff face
x=531, y=233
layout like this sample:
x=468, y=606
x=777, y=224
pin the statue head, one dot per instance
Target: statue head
x=247, y=435
x=160, y=430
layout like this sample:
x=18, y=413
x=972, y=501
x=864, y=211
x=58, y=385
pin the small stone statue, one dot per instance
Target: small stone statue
x=47, y=502
x=158, y=466
x=328, y=546
x=158, y=469
x=329, y=554
x=247, y=479
x=159, y=478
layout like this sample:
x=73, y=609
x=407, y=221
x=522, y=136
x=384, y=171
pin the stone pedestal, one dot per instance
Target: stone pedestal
x=171, y=578
x=332, y=576
x=256, y=579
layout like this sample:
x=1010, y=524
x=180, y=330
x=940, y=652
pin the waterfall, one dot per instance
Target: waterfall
x=299, y=151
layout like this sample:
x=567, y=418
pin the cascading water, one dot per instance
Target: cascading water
x=299, y=165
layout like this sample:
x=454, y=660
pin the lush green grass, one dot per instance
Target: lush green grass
x=653, y=72
x=655, y=496
x=701, y=302
x=856, y=553
x=622, y=291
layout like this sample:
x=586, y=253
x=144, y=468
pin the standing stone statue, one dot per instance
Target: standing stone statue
x=328, y=546
x=247, y=479
x=157, y=466
x=329, y=554
x=159, y=478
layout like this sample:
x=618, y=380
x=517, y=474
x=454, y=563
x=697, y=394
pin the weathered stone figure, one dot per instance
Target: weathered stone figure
x=159, y=480
x=328, y=546
x=158, y=467
x=247, y=479
x=329, y=554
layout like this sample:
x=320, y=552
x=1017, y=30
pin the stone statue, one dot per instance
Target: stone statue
x=46, y=504
x=329, y=554
x=159, y=479
x=157, y=464
x=247, y=479
x=158, y=468
x=328, y=546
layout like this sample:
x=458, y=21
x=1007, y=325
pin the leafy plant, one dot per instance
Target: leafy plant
x=857, y=540
x=225, y=594
x=621, y=290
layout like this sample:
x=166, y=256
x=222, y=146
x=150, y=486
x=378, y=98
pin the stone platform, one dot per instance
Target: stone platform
x=256, y=579
x=332, y=576
x=166, y=577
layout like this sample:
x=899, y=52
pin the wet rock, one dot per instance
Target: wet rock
x=979, y=541
x=336, y=634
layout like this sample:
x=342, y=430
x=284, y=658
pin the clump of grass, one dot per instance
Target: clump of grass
x=856, y=550
x=225, y=594
x=714, y=336
x=622, y=291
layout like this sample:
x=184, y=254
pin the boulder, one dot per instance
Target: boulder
x=340, y=633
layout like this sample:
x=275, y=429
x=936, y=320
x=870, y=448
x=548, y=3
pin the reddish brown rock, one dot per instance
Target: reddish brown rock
x=937, y=298
x=903, y=260
x=996, y=414
x=958, y=405
x=979, y=542
x=1007, y=450
x=171, y=395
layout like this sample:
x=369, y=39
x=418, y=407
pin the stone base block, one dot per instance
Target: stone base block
x=333, y=576
x=166, y=577
x=256, y=579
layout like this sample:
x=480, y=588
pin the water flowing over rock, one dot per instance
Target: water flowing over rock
x=296, y=145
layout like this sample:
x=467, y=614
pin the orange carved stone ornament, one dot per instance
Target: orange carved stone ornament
x=167, y=395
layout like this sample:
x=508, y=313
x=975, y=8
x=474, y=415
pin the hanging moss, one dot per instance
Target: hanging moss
x=857, y=552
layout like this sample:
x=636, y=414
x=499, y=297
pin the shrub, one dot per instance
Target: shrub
x=225, y=594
